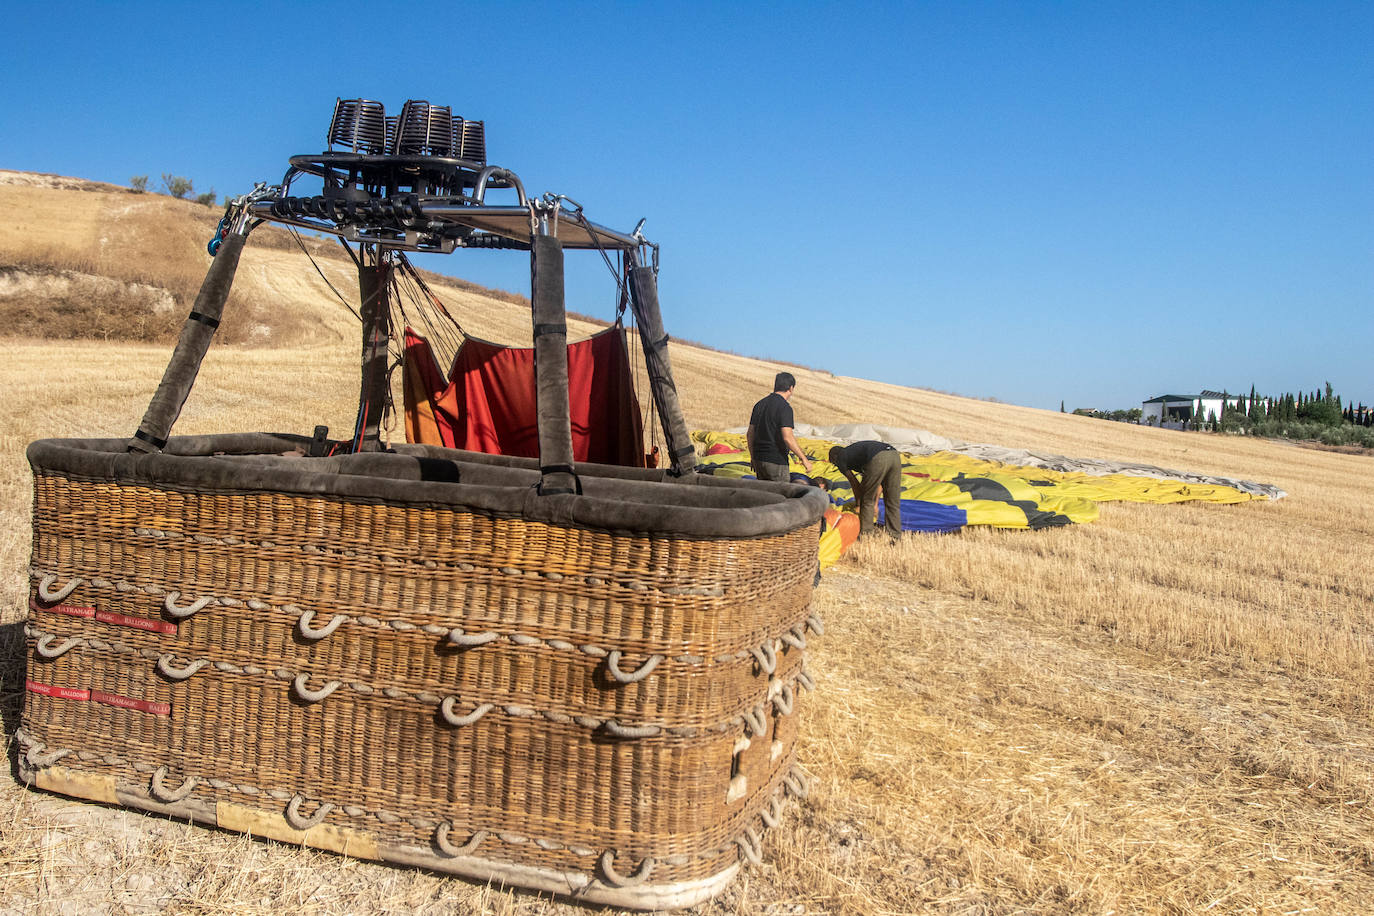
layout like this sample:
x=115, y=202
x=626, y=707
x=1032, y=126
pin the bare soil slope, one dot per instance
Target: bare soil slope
x=1167, y=711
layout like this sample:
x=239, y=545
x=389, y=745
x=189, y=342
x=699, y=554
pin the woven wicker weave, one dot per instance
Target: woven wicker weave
x=607, y=712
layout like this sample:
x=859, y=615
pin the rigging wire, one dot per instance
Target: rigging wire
x=313, y=263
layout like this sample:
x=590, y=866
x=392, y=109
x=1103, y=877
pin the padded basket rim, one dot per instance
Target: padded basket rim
x=622, y=499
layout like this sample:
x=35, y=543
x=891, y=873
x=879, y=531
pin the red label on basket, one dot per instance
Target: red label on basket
x=138, y=623
x=70, y=610
x=62, y=693
x=149, y=706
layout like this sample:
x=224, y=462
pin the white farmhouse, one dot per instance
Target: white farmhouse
x=1173, y=410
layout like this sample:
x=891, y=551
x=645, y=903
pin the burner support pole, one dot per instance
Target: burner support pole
x=551, y=367
x=191, y=347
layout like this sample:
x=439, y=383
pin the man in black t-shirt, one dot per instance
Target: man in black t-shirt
x=867, y=465
x=770, y=435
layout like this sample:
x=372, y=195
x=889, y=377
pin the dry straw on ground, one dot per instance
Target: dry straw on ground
x=1167, y=711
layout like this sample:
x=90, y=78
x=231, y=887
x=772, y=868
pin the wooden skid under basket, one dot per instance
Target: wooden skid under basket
x=600, y=712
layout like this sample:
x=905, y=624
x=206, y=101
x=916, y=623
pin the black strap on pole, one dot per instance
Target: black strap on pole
x=373, y=283
x=551, y=367
x=191, y=347
x=644, y=301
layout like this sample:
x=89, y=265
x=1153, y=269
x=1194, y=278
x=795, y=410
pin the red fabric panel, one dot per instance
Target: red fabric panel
x=487, y=404
x=431, y=403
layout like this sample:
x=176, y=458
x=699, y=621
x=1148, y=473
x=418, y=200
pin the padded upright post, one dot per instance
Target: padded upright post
x=551, y=366
x=376, y=314
x=644, y=302
x=196, y=334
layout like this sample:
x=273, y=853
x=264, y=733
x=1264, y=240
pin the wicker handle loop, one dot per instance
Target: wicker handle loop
x=447, y=848
x=784, y=700
x=767, y=657
x=468, y=640
x=644, y=670
x=772, y=812
x=39, y=760
x=795, y=638
x=312, y=696
x=795, y=783
x=616, y=879
x=45, y=648
x=293, y=814
x=750, y=846
x=816, y=625
x=755, y=721
x=452, y=718
x=48, y=596
x=312, y=633
x=167, y=669
x=158, y=789
x=617, y=730
x=181, y=613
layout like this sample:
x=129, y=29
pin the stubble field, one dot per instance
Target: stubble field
x=1166, y=711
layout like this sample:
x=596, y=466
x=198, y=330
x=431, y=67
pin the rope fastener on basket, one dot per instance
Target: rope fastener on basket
x=468, y=640
x=755, y=720
x=816, y=625
x=772, y=812
x=621, y=677
x=312, y=633
x=181, y=613
x=750, y=846
x=312, y=696
x=33, y=752
x=616, y=879
x=48, y=596
x=293, y=814
x=766, y=656
x=446, y=847
x=167, y=669
x=45, y=648
x=795, y=783
x=158, y=789
x=616, y=730
x=446, y=709
x=784, y=700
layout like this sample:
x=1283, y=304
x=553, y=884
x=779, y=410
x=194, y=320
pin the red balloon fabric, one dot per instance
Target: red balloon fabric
x=487, y=403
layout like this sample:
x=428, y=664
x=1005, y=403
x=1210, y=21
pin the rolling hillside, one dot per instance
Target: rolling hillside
x=1168, y=710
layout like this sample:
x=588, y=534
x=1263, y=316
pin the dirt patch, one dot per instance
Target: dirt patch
x=59, y=182
x=70, y=305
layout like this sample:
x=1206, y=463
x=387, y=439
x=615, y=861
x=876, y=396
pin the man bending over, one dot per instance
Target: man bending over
x=868, y=465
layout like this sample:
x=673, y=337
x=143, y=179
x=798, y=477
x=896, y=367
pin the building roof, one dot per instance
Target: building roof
x=1207, y=394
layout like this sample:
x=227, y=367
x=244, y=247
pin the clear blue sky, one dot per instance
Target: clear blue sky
x=1088, y=202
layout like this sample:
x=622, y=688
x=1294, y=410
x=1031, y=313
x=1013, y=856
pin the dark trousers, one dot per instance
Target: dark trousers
x=884, y=470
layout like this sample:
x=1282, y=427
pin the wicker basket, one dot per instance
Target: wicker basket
x=416, y=658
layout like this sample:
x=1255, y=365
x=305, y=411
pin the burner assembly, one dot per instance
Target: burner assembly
x=417, y=181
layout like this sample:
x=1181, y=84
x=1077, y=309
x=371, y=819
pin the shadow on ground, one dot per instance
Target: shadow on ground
x=13, y=660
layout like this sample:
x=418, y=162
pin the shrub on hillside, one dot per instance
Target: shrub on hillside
x=177, y=186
